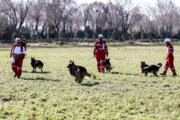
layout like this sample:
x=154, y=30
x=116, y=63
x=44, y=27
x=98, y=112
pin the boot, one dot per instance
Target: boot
x=162, y=74
x=174, y=74
x=14, y=75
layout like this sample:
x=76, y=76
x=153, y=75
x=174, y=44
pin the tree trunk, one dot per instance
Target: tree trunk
x=108, y=35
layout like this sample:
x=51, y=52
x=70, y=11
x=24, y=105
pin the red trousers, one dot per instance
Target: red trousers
x=17, y=67
x=169, y=63
x=100, y=57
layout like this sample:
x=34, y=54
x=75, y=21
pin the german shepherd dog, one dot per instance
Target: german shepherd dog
x=107, y=65
x=36, y=63
x=78, y=72
x=145, y=68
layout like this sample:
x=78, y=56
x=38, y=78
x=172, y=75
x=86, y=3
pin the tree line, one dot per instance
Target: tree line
x=122, y=20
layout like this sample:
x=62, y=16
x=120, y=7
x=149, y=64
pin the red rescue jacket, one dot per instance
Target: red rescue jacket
x=170, y=50
x=100, y=47
x=21, y=56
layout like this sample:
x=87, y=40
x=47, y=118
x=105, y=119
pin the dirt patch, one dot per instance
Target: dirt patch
x=8, y=99
x=5, y=44
x=38, y=44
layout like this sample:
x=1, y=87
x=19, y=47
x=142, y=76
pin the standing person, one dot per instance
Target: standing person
x=18, y=52
x=170, y=58
x=100, y=52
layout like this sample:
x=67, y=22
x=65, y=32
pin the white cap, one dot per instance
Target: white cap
x=100, y=36
x=167, y=40
x=17, y=39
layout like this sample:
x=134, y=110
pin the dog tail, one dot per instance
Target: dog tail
x=88, y=75
x=159, y=65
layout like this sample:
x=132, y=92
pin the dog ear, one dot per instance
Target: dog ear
x=70, y=61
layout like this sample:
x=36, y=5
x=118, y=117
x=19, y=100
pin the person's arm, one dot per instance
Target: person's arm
x=11, y=52
x=170, y=51
x=106, y=49
x=95, y=48
x=23, y=52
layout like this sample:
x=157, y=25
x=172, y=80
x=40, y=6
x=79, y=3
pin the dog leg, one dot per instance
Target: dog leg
x=146, y=74
x=155, y=74
x=76, y=79
x=81, y=78
x=40, y=69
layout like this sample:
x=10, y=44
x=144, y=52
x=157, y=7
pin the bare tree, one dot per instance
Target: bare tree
x=54, y=12
x=165, y=14
x=58, y=12
x=97, y=14
x=84, y=12
x=111, y=18
x=16, y=12
x=128, y=15
x=3, y=24
x=98, y=17
x=69, y=8
x=37, y=15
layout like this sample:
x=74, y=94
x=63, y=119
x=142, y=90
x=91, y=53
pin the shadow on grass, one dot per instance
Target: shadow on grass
x=136, y=74
x=42, y=79
x=90, y=84
x=118, y=73
x=44, y=72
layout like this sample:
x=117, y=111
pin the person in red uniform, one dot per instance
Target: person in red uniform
x=100, y=52
x=170, y=58
x=18, y=52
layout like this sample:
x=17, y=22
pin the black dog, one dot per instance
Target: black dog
x=35, y=64
x=107, y=65
x=78, y=72
x=145, y=68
